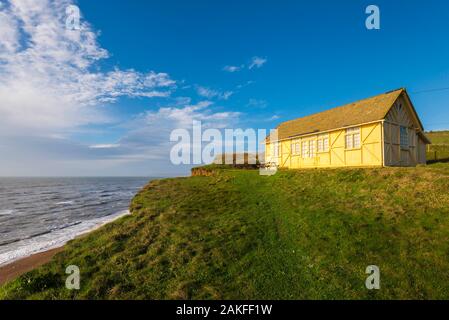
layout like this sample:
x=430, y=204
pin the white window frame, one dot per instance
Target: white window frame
x=296, y=147
x=323, y=143
x=326, y=143
x=320, y=145
x=404, y=138
x=312, y=148
x=308, y=149
x=353, y=135
x=305, y=149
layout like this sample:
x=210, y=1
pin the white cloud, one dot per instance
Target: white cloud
x=45, y=156
x=104, y=146
x=256, y=103
x=9, y=34
x=144, y=149
x=211, y=93
x=233, y=69
x=226, y=95
x=182, y=117
x=51, y=84
x=49, y=76
x=149, y=137
x=257, y=62
x=246, y=84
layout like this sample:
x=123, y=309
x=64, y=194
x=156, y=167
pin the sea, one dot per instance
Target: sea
x=39, y=214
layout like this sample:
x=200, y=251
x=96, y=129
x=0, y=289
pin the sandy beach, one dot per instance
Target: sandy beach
x=19, y=267
x=16, y=268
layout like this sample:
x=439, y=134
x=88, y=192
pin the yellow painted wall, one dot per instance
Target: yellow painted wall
x=369, y=153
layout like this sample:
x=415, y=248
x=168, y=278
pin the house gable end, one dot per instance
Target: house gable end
x=403, y=112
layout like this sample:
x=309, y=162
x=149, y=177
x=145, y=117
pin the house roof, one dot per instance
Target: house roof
x=363, y=111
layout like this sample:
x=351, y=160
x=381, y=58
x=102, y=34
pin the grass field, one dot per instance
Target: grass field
x=439, y=149
x=237, y=235
x=439, y=137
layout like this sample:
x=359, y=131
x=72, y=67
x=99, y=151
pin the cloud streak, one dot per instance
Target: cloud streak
x=233, y=69
x=209, y=93
x=255, y=63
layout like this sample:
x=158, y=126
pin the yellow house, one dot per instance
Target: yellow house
x=384, y=130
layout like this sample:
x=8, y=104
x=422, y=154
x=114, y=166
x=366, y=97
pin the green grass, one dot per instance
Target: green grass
x=439, y=149
x=439, y=137
x=238, y=235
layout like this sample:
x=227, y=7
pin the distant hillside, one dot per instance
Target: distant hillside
x=439, y=137
x=234, y=234
x=438, y=151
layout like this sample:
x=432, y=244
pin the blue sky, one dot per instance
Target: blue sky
x=319, y=53
x=289, y=59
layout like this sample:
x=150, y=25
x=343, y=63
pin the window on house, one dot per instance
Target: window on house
x=305, y=149
x=353, y=138
x=357, y=140
x=309, y=149
x=312, y=149
x=323, y=143
x=326, y=144
x=349, y=142
x=296, y=148
x=404, y=138
x=320, y=145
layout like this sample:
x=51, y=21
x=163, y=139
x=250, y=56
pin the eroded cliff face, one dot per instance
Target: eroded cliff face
x=203, y=172
x=244, y=161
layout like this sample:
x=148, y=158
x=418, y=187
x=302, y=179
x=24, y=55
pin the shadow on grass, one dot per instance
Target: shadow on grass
x=444, y=160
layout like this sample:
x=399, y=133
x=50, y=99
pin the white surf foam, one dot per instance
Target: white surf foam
x=65, y=203
x=6, y=212
x=54, y=239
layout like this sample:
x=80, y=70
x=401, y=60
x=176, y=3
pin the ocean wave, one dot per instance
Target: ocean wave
x=4, y=243
x=35, y=235
x=6, y=212
x=54, y=239
x=65, y=226
x=65, y=203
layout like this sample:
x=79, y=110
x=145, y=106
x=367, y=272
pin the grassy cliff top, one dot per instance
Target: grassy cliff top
x=439, y=137
x=237, y=235
x=439, y=149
